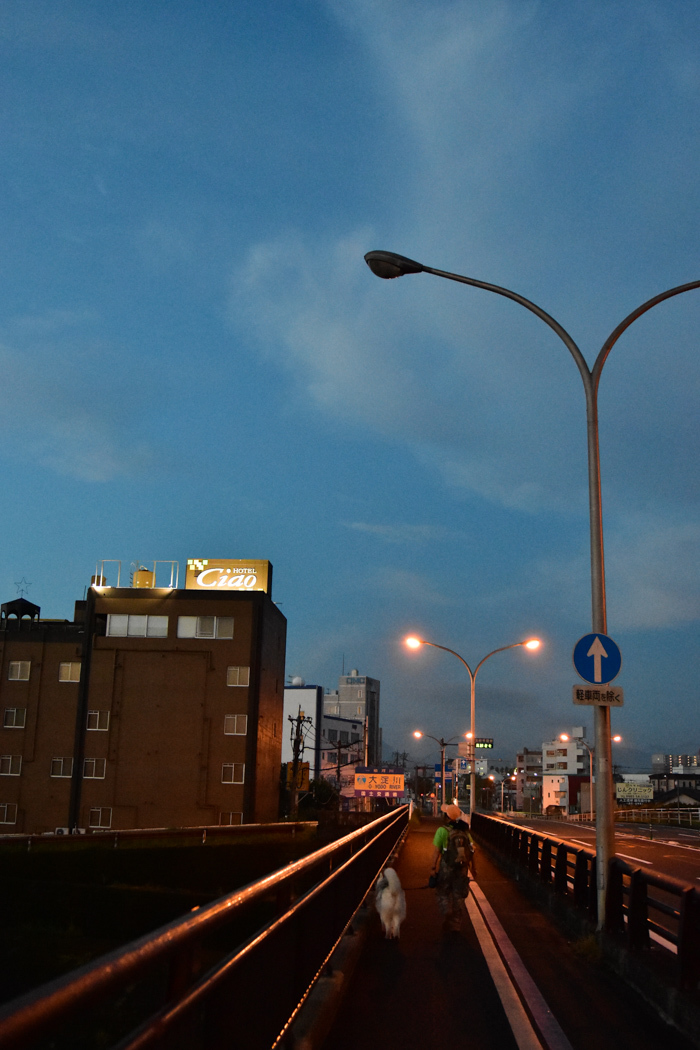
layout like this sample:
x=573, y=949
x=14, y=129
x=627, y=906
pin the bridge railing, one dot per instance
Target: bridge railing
x=233, y=972
x=642, y=905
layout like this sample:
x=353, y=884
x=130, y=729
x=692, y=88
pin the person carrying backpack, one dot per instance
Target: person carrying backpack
x=453, y=859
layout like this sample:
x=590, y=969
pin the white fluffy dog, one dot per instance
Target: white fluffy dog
x=390, y=902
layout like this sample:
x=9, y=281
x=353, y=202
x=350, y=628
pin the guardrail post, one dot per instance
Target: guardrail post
x=615, y=900
x=581, y=880
x=523, y=853
x=637, y=912
x=561, y=870
x=546, y=861
x=689, y=939
x=534, y=855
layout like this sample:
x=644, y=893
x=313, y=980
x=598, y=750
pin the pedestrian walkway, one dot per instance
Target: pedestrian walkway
x=432, y=989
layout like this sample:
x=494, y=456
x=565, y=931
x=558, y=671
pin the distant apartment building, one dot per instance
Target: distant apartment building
x=303, y=714
x=153, y=707
x=342, y=748
x=669, y=763
x=528, y=780
x=357, y=700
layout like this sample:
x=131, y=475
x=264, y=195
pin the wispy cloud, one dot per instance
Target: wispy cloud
x=57, y=409
x=408, y=535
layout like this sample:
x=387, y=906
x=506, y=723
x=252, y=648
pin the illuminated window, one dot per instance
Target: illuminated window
x=61, y=767
x=228, y=819
x=237, y=676
x=14, y=718
x=10, y=765
x=205, y=626
x=100, y=817
x=235, y=725
x=69, y=671
x=131, y=625
x=19, y=670
x=8, y=813
x=98, y=720
x=94, y=768
x=233, y=773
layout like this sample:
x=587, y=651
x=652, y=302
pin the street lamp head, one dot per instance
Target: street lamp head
x=413, y=643
x=564, y=737
x=469, y=735
x=388, y=265
x=417, y=734
x=533, y=643
x=617, y=739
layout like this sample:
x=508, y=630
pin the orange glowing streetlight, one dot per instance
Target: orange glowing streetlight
x=617, y=739
x=413, y=642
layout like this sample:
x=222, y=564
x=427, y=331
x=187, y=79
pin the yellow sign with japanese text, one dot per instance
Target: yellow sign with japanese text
x=378, y=782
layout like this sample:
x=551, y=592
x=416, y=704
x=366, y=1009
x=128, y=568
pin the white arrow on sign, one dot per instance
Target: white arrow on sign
x=597, y=652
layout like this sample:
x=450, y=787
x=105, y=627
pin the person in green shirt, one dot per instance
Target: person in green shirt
x=452, y=860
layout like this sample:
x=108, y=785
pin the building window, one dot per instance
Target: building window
x=237, y=676
x=98, y=720
x=332, y=735
x=10, y=765
x=132, y=625
x=14, y=718
x=69, y=671
x=61, y=767
x=233, y=773
x=235, y=725
x=8, y=813
x=228, y=819
x=205, y=626
x=100, y=817
x=19, y=670
x=94, y=768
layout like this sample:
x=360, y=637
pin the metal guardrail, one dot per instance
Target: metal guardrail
x=231, y=973
x=672, y=815
x=641, y=904
x=207, y=834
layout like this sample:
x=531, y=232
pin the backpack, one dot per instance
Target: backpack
x=459, y=849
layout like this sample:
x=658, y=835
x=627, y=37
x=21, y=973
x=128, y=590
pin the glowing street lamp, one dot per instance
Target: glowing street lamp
x=442, y=744
x=388, y=265
x=415, y=643
x=591, y=751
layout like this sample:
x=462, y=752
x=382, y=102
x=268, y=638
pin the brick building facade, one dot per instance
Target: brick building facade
x=153, y=707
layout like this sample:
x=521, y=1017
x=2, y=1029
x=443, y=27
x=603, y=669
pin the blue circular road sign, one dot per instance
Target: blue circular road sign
x=597, y=659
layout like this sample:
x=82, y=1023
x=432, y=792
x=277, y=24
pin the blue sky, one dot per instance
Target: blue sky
x=197, y=361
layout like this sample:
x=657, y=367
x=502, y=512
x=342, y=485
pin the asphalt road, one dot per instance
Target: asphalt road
x=673, y=851
x=430, y=990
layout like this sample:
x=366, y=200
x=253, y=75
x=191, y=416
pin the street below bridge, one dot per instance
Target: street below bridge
x=671, y=850
x=509, y=979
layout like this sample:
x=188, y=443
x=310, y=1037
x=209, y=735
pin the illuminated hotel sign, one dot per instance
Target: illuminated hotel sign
x=224, y=574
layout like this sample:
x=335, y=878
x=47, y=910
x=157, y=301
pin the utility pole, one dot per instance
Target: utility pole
x=298, y=724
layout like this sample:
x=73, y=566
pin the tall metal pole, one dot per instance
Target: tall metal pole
x=534, y=643
x=389, y=265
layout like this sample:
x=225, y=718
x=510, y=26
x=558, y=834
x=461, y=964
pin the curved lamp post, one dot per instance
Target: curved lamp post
x=414, y=643
x=388, y=265
x=442, y=744
x=591, y=751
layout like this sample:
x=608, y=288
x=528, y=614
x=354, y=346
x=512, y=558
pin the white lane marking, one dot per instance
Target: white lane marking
x=549, y=1027
x=637, y=859
x=518, y=1020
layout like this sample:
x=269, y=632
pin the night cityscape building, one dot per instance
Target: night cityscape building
x=153, y=707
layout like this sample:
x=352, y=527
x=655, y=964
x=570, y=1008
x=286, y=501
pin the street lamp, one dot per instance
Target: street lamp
x=388, y=265
x=442, y=744
x=414, y=643
x=591, y=751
